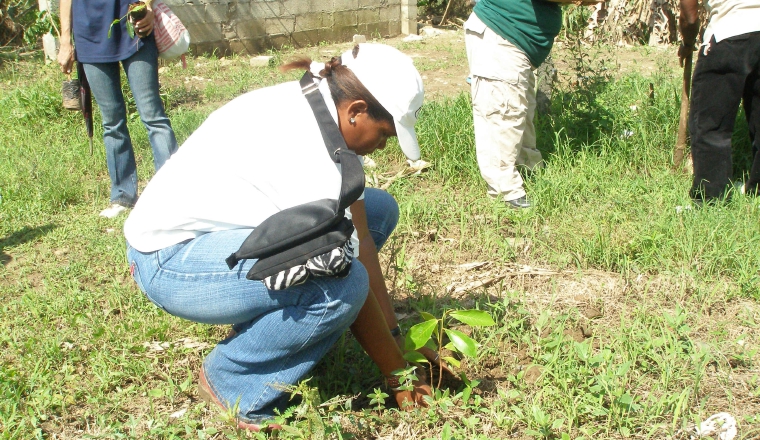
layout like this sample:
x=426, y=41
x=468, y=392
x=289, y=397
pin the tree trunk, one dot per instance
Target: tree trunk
x=652, y=22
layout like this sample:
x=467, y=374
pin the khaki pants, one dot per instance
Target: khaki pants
x=503, y=106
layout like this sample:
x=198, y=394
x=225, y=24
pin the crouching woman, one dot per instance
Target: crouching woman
x=262, y=153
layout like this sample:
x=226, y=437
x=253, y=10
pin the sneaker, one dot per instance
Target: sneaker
x=113, y=210
x=208, y=396
x=519, y=203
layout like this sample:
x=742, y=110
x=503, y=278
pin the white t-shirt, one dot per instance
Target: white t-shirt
x=729, y=18
x=259, y=154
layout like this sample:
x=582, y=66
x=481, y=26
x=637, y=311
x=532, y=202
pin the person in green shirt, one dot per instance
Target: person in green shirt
x=506, y=40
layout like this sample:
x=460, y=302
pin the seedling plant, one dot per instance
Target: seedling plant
x=431, y=332
x=135, y=13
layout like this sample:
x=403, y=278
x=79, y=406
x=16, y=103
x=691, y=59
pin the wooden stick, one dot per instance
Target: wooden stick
x=445, y=13
x=683, y=120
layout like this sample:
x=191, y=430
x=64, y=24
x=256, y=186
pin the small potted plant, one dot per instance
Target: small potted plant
x=135, y=12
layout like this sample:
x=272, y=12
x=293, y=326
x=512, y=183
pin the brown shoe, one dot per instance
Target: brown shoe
x=208, y=396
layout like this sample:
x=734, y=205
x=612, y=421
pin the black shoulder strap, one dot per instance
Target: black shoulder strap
x=351, y=170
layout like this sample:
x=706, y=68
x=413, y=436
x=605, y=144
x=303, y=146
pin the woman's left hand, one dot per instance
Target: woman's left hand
x=144, y=27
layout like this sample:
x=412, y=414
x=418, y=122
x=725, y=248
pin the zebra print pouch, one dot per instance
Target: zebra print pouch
x=335, y=263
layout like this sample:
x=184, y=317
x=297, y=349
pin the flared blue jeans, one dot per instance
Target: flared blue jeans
x=105, y=82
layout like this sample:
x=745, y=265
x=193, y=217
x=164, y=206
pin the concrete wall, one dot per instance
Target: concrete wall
x=252, y=26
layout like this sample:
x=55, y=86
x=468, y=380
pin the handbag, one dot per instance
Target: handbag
x=172, y=38
x=311, y=239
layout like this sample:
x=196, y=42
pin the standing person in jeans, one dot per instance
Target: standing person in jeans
x=262, y=153
x=506, y=40
x=727, y=72
x=101, y=55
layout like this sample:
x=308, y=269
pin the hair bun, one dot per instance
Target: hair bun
x=329, y=66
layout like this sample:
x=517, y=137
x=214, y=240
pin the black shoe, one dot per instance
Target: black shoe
x=519, y=203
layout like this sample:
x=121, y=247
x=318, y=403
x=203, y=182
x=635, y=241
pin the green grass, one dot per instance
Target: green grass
x=674, y=339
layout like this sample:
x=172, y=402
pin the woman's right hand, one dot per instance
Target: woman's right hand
x=408, y=400
x=66, y=57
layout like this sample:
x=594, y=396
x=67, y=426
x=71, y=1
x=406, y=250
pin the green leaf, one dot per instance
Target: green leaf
x=446, y=432
x=431, y=345
x=427, y=316
x=466, y=395
x=113, y=23
x=625, y=400
x=474, y=318
x=130, y=29
x=582, y=350
x=420, y=333
x=623, y=369
x=415, y=357
x=465, y=344
x=452, y=361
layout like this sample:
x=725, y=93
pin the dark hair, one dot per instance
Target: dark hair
x=344, y=85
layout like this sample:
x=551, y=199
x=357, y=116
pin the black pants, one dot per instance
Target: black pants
x=728, y=74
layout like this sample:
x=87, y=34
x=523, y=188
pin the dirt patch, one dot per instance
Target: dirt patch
x=597, y=305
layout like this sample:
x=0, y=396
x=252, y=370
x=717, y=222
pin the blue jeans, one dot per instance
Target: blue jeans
x=281, y=335
x=105, y=82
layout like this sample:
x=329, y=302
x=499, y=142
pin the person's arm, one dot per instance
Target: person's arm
x=688, y=23
x=368, y=257
x=66, y=51
x=371, y=327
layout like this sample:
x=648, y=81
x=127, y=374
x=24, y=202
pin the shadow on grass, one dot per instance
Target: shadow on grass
x=579, y=114
x=22, y=236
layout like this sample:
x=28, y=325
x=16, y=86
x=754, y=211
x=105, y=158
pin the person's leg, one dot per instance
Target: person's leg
x=529, y=156
x=500, y=81
x=717, y=88
x=142, y=73
x=280, y=336
x=751, y=101
x=105, y=82
x=382, y=214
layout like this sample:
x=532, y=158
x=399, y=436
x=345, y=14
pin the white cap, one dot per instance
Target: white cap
x=394, y=81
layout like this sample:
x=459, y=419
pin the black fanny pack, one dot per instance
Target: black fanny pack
x=312, y=239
